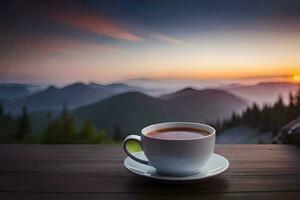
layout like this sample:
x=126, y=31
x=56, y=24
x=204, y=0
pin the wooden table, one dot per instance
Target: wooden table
x=97, y=172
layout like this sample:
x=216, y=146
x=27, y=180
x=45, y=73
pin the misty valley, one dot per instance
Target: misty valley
x=98, y=113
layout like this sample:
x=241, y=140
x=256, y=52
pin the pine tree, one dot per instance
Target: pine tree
x=89, y=135
x=291, y=111
x=251, y=116
x=69, y=134
x=49, y=118
x=278, y=115
x=1, y=110
x=269, y=118
x=24, y=126
x=265, y=123
x=62, y=130
x=117, y=134
x=217, y=125
x=7, y=127
x=53, y=133
x=297, y=101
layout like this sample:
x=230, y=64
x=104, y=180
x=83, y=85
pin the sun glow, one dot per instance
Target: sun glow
x=296, y=78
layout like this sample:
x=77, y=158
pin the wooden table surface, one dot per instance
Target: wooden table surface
x=97, y=172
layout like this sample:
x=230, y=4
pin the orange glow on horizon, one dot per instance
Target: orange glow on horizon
x=210, y=73
x=296, y=78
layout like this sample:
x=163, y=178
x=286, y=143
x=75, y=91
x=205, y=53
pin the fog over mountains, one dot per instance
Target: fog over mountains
x=14, y=96
x=16, y=90
x=52, y=98
x=263, y=93
x=132, y=106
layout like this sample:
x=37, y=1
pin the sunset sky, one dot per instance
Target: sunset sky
x=103, y=41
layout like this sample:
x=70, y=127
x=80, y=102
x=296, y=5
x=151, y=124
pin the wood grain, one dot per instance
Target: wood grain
x=97, y=172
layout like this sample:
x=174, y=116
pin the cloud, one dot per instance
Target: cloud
x=167, y=39
x=96, y=24
x=78, y=14
x=55, y=45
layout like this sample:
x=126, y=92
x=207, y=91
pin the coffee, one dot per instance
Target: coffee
x=178, y=133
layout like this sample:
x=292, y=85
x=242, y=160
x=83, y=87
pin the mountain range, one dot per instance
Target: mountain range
x=14, y=96
x=16, y=90
x=133, y=110
x=263, y=93
x=260, y=93
x=131, y=107
x=74, y=95
x=52, y=98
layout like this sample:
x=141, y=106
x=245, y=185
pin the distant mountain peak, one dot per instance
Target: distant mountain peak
x=272, y=83
x=141, y=79
x=118, y=84
x=232, y=85
x=264, y=92
x=51, y=88
x=95, y=84
x=187, y=90
x=133, y=110
x=77, y=85
x=180, y=93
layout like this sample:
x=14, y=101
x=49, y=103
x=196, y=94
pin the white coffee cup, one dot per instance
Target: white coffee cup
x=181, y=157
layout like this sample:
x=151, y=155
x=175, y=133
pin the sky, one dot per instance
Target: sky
x=105, y=41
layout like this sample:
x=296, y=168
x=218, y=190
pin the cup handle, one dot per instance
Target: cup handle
x=138, y=139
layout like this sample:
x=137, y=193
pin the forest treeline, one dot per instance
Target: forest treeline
x=61, y=130
x=268, y=118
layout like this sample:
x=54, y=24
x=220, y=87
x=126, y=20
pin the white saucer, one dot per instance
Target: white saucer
x=214, y=166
